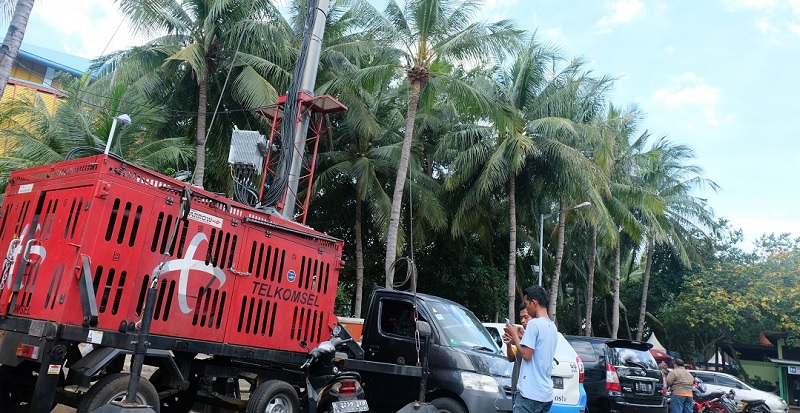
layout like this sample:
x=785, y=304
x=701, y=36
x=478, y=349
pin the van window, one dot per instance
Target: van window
x=397, y=318
x=460, y=327
x=585, y=350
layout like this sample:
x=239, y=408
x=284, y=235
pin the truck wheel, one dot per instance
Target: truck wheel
x=448, y=405
x=274, y=396
x=114, y=387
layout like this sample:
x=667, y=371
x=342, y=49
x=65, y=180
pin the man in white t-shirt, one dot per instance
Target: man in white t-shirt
x=537, y=348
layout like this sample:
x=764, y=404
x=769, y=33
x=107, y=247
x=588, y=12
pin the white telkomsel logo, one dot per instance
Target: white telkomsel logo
x=184, y=265
x=12, y=256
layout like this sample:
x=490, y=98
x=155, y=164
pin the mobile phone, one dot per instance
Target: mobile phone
x=508, y=321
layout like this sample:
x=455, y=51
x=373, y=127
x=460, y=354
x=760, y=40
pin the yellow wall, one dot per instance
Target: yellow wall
x=766, y=370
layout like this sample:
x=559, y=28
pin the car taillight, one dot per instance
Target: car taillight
x=346, y=388
x=612, y=378
x=580, y=369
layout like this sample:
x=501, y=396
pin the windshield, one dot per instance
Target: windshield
x=635, y=358
x=461, y=328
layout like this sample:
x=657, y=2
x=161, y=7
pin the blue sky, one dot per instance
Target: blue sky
x=716, y=75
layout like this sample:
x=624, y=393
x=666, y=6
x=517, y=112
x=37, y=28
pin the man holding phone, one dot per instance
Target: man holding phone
x=537, y=347
x=511, y=351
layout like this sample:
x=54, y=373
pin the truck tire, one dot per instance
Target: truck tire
x=274, y=396
x=448, y=405
x=114, y=387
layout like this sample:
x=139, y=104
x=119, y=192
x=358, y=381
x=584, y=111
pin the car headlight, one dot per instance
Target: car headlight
x=479, y=382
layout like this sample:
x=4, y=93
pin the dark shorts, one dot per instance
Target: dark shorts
x=523, y=405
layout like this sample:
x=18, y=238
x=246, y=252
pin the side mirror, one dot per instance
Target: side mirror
x=424, y=328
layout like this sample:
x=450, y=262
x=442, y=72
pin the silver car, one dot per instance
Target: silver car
x=723, y=382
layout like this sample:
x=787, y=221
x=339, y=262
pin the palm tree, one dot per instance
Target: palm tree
x=565, y=170
x=14, y=36
x=432, y=34
x=80, y=125
x=666, y=174
x=526, y=129
x=205, y=49
x=628, y=195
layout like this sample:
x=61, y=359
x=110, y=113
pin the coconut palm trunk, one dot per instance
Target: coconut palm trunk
x=645, y=287
x=202, y=105
x=13, y=40
x=615, y=304
x=512, y=245
x=590, y=282
x=562, y=216
x=417, y=76
x=359, y=258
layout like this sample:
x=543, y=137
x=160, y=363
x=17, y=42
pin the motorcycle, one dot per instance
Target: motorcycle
x=714, y=402
x=750, y=406
x=329, y=389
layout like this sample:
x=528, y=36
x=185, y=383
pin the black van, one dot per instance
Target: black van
x=621, y=376
x=468, y=374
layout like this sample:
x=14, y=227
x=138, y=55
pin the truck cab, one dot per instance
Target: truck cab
x=467, y=373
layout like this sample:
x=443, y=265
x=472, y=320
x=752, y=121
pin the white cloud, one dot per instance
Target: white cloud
x=702, y=95
x=493, y=10
x=774, y=19
x=622, y=11
x=752, y=4
x=69, y=22
x=691, y=91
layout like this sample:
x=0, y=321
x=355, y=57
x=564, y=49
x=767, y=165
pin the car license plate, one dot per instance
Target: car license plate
x=558, y=382
x=350, y=406
x=644, y=387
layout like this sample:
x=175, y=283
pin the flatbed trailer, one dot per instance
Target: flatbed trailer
x=86, y=237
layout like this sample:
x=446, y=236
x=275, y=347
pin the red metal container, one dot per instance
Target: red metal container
x=232, y=274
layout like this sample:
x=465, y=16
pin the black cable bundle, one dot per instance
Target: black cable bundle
x=290, y=111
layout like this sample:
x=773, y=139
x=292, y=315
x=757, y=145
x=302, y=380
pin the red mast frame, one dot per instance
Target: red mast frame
x=318, y=106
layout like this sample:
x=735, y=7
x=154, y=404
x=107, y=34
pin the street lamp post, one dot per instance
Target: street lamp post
x=123, y=119
x=541, y=234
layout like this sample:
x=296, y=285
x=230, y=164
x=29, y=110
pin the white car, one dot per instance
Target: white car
x=570, y=396
x=723, y=382
x=496, y=331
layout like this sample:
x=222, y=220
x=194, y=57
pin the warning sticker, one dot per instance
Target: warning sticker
x=95, y=337
x=204, y=218
x=53, y=369
x=24, y=189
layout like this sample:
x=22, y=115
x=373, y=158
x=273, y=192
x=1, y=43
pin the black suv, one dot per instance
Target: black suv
x=621, y=376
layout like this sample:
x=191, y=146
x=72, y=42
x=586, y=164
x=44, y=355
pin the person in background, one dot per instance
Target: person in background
x=537, y=347
x=680, y=383
x=512, y=353
x=664, y=372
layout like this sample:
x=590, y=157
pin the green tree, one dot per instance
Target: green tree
x=205, y=49
x=430, y=34
x=666, y=173
x=80, y=125
x=14, y=35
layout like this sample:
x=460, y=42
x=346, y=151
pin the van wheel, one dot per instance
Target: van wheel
x=114, y=387
x=274, y=396
x=448, y=405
